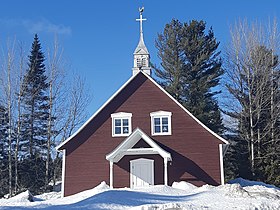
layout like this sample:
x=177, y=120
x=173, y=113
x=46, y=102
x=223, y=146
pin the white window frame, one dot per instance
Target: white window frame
x=121, y=116
x=161, y=114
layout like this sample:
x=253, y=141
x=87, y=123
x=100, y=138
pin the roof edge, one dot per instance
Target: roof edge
x=99, y=110
x=146, y=138
x=119, y=90
x=187, y=111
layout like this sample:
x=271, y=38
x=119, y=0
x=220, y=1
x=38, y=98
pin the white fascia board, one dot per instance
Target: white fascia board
x=121, y=115
x=161, y=113
x=187, y=111
x=154, y=145
x=99, y=110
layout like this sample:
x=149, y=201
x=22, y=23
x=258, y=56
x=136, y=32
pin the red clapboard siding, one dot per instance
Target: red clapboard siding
x=194, y=151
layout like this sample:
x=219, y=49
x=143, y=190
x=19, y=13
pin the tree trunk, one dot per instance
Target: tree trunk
x=49, y=136
x=9, y=97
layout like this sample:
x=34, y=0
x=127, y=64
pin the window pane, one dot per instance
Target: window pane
x=125, y=122
x=125, y=129
x=164, y=128
x=118, y=130
x=117, y=122
x=164, y=121
x=157, y=121
x=157, y=129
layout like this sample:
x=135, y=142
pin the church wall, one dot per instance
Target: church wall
x=194, y=151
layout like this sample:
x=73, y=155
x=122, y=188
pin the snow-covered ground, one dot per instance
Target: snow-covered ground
x=240, y=194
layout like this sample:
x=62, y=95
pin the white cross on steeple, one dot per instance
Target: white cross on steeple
x=141, y=54
x=141, y=10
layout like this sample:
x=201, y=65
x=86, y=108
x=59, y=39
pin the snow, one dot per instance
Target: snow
x=240, y=194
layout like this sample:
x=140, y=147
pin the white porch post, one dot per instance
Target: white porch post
x=165, y=172
x=111, y=174
x=222, y=164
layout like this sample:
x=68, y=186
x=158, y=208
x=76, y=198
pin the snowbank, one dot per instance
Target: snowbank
x=181, y=195
x=24, y=197
x=184, y=186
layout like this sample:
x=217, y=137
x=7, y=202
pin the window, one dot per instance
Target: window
x=161, y=123
x=121, y=124
x=144, y=62
x=139, y=63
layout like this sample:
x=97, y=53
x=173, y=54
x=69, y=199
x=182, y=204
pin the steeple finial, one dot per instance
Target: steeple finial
x=141, y=10
x=141, y=54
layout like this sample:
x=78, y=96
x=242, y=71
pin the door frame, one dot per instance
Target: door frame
x=141, y=160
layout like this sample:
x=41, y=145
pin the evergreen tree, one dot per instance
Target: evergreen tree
x=170, y=50
x=35, y=117
x=191, y=69
x=4, y=172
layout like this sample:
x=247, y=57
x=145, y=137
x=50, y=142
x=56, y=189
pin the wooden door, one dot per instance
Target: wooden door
x=141, y=173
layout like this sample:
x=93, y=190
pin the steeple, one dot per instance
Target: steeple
x=141, y=54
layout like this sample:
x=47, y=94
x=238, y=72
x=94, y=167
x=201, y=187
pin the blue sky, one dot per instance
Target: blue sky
x=99, y=37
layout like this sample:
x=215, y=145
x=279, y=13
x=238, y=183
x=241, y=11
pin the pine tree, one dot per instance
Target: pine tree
x=4, y=172
x=191, y=69
x=169, y=45
x=34, y=118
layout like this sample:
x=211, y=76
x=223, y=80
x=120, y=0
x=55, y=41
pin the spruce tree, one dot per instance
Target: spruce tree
x=191, y=69
x=4, y=172
x=169, y=45
x=35, y=101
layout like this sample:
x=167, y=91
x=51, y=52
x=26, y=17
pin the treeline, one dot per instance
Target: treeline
x=40, y=105
x=235, y=92
x=244, y=78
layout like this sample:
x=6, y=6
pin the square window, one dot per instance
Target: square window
x=121, y=124
x=161, y=123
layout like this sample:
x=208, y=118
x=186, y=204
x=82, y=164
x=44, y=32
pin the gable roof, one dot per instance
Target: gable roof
x=119, y=90
x=126, y=147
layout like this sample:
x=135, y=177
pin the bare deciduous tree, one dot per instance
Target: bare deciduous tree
x=252, y=70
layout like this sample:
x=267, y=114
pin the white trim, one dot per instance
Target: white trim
x=120, y=89
x=121, y=116
x=125, y=148
x=141, y=160
x=111, y=175
x=63, y=173
x=161, y=114
x=165, y=172
x=222, y=164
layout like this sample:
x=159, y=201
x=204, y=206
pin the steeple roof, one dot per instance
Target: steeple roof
x=141, y=47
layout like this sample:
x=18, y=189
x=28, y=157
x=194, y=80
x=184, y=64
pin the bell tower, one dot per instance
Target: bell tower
x=141, y=56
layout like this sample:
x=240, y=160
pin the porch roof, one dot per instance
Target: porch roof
x=126, y=147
